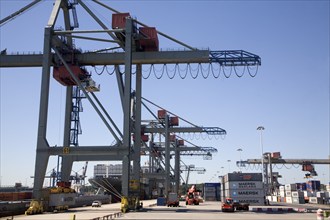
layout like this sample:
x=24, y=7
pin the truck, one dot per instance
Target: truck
x=229, y=205
x=192, y=197
x=54, y=199
x=172, y=200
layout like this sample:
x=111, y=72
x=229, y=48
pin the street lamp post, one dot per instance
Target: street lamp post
x=240, y=159
x=261, y=128
x=228, y=165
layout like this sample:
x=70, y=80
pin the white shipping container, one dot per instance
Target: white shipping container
x=297, y=194
x=274, y=199
x=298, y=200
x=269, y=198
x=288, y=194
x=288, y=199
x=282, y=193
x=62, y=199
x=282, y=188
x=315, y=200
x=290, y=187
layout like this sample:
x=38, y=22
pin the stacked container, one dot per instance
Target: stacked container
x=243, y=188
x=212, y=191
x=313, y=185
x=292, y=195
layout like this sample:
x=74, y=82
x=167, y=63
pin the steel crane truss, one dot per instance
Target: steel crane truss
x=64, y=51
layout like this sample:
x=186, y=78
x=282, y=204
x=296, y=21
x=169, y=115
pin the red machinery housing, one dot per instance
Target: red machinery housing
x=119, y=20
x=148, y=39
x=62, y=75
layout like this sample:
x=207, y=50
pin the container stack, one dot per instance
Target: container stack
x=212, y=191
x=300, y=193
x=243, y=188
x=292, y=195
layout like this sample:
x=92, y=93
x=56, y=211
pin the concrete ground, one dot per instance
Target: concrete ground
x=206, y=210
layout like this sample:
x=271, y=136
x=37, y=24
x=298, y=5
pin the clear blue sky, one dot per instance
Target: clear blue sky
x=289, y=96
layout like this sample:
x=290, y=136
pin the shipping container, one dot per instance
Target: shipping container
x=320, y=194
x=315, y=200
x=251, y=201
x=309, y=194
x=62, y=199
x=313, y=185
x=290, y=187
x=288, y=199
x=298, y=200
x=288, y=194
x=297, y=194
x=242, y=177
x=244, y=185
x=161, y=201
x=301, y=186
x=212, y=191
x=244, y=193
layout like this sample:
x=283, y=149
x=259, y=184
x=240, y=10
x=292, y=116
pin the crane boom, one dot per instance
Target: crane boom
x=289, y=161
x=19, y=12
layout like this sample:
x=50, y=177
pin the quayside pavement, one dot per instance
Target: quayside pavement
x=206, y=210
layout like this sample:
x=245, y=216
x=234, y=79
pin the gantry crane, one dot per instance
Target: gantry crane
x=139, y=46
x=275, y=158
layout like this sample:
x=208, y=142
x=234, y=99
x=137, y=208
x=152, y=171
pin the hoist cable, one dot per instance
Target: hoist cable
x=99, y=72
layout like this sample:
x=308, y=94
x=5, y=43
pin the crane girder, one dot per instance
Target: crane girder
x=188, y=151
x=208, y=130
x=197, y=169
x=289, y=161
x=234, y=58
x=225, y=58
x=93, y=59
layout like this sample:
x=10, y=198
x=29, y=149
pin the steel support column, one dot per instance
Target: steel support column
x=127, y=107
x=67, y=161
x=43, y=157
x=137, y=125
x=177, y=167
x=167, y=156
